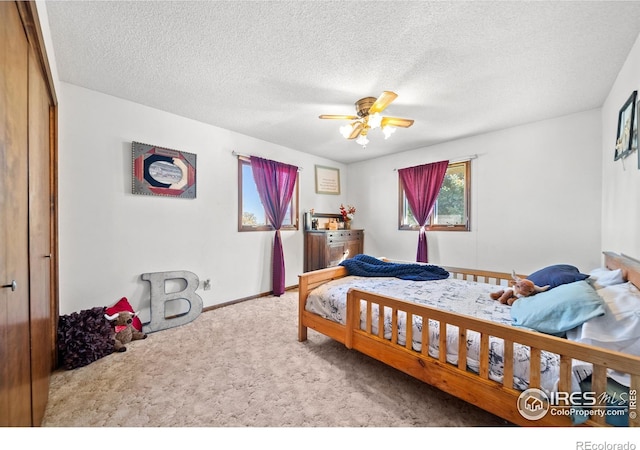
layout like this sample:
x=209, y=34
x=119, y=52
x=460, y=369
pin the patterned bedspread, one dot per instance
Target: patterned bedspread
x=459, y=296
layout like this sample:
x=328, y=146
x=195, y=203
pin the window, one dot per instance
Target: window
x=451, y=211
x=251, y=213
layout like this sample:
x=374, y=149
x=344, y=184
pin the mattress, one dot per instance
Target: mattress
x=459, y=296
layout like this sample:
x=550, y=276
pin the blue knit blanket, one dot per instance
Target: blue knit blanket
x=368, y=266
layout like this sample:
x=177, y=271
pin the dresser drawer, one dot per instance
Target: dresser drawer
x=344, y=235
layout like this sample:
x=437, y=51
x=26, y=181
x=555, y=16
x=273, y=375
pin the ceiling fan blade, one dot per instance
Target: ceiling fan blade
x=357, y=128
x=382, y=102
x=396, y=122
x=336, y=116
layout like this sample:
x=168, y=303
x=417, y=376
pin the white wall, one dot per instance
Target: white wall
x=576, y=200
x=621, y=187
x=108, y=237
x=535, y=198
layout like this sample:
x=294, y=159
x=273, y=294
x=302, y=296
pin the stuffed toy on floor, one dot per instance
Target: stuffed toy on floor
x=125, y=332
x=521, y=288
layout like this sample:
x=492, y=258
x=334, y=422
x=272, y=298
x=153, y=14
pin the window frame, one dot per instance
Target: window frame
x=243, y=161
x=402, y=203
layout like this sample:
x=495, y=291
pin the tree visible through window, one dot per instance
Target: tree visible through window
x=451, y=211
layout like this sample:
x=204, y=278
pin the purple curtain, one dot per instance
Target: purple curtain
x=422, y=185
x=275, y=182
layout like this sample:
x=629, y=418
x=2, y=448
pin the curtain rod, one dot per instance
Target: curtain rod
x=247, y=157
x=457, y=160
x=240, y=155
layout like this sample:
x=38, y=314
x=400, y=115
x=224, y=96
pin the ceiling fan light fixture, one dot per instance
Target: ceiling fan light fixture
x=362, y=140
x=388, y=130
x=345, y=130
x=374, y=120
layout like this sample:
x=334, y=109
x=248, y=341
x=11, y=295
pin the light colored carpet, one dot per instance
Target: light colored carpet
x=242, y=366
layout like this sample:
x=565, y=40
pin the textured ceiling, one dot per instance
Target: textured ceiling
x=268, y=69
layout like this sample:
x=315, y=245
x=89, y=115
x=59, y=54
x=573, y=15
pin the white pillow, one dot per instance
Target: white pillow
x=619, y=328
x=602, y=277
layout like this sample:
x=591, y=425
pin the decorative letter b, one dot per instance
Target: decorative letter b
x=159, y=298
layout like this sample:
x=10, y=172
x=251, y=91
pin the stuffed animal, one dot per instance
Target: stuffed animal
x=520, y=288
x=125, y=332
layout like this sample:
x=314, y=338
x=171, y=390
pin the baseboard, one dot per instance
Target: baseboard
x=244, y=299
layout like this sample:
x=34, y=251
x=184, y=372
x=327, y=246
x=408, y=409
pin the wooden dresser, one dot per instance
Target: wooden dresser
x=325, y=248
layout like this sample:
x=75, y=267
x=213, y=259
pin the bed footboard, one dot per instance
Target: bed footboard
x=306, y=282
x=477, y=388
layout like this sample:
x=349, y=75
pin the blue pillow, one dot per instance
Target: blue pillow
x=556, y=275
x=558, y=310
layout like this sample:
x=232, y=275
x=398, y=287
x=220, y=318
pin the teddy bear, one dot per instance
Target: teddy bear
x=521, y=288
x=125, y=333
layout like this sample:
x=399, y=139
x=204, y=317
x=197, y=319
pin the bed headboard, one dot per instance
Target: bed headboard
x=630, y=266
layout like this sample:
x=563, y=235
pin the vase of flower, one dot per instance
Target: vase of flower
x=347, y=215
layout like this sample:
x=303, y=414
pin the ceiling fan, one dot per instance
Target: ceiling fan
x=368, y=117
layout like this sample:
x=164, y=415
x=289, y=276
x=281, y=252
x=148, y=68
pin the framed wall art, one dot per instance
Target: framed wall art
x=626, y=128
x=327, y=180
x=163, y=171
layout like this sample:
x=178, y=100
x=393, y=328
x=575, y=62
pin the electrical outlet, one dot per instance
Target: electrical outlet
x=206, y=285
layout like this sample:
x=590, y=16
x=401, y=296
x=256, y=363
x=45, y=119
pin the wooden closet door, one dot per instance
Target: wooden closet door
x=15, y=376
x=40, y=209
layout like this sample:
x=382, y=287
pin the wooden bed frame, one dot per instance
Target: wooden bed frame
x=475, y=388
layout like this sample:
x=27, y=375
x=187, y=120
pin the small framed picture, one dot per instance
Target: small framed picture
x=327, y=180
x=163, y=171
x=626, y=128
